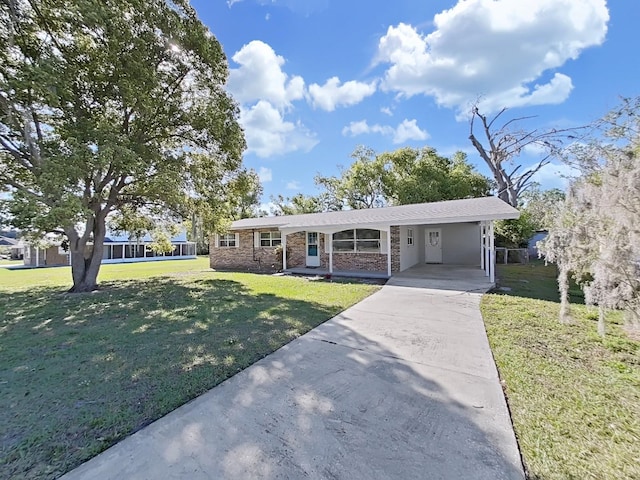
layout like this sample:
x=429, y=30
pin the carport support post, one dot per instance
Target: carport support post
x=486, y=250
x=284, y=251
x=388, y=230
x=330, y=235
x=492, y=255
x=482, y=234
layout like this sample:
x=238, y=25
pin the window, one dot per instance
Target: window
x=227, y=240
x=410, y=236
x=344, y=241
x=434, y=238
x=357, y=240
x=270, y=239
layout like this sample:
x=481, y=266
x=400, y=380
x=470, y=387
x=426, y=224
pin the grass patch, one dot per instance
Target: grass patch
x=574, y=397
x=80, y=372
x=4, y=261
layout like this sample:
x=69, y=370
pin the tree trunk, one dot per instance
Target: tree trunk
x=86, y=260
x=601, y=321
x=563, y=287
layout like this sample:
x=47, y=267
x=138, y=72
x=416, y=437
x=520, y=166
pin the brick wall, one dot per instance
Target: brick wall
x=395, y=249
x=368, y=262
x=261, y=259
x=244, y=257
x=296, y=250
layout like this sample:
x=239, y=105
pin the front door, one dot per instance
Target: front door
x=313, y=252
x=433, y=245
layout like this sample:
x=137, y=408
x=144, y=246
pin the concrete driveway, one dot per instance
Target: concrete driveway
x=400, y=386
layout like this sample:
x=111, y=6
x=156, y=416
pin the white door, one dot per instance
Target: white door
x=433, y=245
x=313, y=250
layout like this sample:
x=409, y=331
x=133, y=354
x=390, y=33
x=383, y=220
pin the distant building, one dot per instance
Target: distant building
x=532, y=247
x=117, y=249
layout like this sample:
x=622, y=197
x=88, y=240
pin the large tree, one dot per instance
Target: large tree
x=359, y=186
x=112, y=106
x=403, y=176
x=500, y=145
x=298, y=204
x=541, y=205
x=421, y=175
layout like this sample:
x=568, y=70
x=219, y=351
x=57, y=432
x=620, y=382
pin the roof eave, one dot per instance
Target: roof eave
x=411, y=221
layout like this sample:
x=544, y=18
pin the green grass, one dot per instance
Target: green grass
x=4, y=261
x=574, y=397
x=80, y=372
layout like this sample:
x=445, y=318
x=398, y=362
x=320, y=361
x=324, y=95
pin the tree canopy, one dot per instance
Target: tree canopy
x=298, y=204
x=404, y=176
x=110, y=107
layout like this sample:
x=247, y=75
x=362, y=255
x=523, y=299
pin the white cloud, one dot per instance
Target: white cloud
x=267, y=133
x=495, y=49
x=265, y=174
x=260, y=77
x=332, y=94
x=409, y=130
x=405, y=131
x=293, y=185
x=387, y=111
x=267, y=17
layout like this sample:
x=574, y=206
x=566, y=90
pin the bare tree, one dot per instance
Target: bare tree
x=500, y=146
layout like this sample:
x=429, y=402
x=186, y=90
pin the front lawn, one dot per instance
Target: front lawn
x=574, y=397
x=80, y=372
x=6, y=261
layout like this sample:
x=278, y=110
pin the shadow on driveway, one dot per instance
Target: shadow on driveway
x=348, y=400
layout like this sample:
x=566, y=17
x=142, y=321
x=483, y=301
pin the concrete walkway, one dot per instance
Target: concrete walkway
x=400, y=386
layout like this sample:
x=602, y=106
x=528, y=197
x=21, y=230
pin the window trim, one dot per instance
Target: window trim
x=228, y=238
x=356, y=241
x=410, y=237
x=272, y=238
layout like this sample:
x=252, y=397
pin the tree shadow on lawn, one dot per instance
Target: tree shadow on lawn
x=80, y=372
x=333, y=404
x=533, y=280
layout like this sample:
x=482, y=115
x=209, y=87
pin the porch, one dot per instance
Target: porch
x=431, y=276
x=397, y=250
x=337, y=273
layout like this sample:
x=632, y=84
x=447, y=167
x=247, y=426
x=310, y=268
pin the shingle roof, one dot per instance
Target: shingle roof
x=450, y=211
x=6, y=241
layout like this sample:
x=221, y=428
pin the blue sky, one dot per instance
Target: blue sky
x=316, y=78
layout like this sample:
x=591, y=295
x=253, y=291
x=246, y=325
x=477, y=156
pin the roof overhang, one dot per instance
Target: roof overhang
x=332, y=228
x=483, y=209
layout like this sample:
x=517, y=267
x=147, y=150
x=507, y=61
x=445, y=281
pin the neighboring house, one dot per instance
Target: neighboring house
x=375, y=242
x=532, y=247
x=11, y=244
x=17, y=251
x=117, y=249
x=7, y=242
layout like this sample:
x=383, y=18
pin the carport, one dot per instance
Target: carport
x=444, y=277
